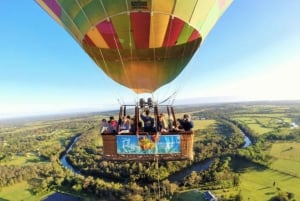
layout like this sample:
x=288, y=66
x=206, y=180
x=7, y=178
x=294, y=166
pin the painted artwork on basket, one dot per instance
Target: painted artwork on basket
x=148, y=144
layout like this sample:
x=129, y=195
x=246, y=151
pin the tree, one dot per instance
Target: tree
x=236, y=180
x=134, y=197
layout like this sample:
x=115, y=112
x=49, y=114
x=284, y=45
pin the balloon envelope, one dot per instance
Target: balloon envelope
x=141, y=44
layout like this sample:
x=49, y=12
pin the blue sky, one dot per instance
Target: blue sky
x=251, y=54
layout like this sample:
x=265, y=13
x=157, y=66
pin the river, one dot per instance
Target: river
x=247, y=141
x=64, y=161
x=179, y=176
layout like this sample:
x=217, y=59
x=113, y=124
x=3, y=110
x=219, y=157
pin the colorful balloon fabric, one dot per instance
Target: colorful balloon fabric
x=141, y=44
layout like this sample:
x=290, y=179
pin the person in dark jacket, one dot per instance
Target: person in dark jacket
x=187, y=123
x=148, y=121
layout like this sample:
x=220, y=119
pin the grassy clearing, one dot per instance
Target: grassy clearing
x=287, y=157
x=245, y=120
x=257, y=182
x=253, y=115
x=23, y=160
x=257, y=128
x=287, y=166
x=203, y=124
x=19, y=191
x=286, y=150
x=258, y=185
x=265, y=123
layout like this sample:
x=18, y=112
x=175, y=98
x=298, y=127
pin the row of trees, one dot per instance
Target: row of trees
x=219, y=175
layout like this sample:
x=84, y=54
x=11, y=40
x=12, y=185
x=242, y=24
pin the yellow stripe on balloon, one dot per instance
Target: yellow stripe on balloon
x=158, y=28
x=97, y=38
x=198, y=18
x=165, y=6
x=210, y=21
x=184, y=9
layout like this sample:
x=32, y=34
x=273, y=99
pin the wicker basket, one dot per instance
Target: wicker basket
x=186, y=149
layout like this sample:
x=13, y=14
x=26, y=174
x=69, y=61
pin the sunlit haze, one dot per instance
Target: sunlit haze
x=251, y=54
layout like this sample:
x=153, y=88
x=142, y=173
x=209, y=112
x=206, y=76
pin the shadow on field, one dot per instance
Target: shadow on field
x=270, y=193
x=243, y=165
x=264, y=188
x=1, y=199
x=288, y=149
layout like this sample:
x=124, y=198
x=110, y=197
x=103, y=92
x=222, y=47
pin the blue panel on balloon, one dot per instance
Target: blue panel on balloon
x=148, y=144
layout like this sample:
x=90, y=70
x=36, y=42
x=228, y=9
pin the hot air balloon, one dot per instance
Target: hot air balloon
x=140, y=44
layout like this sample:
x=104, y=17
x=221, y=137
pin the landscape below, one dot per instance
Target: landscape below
x=268, y=169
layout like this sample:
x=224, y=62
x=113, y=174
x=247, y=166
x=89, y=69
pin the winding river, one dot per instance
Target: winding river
x=64, y=161
x=247, y=141
x=179, y=176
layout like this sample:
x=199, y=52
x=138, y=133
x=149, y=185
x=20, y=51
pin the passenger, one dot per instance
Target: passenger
x=125, y=125
x=162, y=124
x=133, y=127
x=104, y=126
x=170, y=123
x=113, y=125
x=186, y=123
x=176, y=126
x=148, y=121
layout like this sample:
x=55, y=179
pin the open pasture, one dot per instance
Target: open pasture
x=257, y=185
x=203, y=124
x=20, y=191
x=286, y=158
x=264, y=123
x=28, y=158
x=286, y=150
x=258, y=129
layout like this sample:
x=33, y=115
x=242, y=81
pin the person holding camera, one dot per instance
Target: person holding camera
x=186, y=123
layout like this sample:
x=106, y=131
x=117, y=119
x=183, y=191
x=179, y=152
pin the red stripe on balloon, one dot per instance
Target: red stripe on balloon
x=88, y=41
x=140, y=26
x=173, y=32
x=195, y=35
x=108, y=33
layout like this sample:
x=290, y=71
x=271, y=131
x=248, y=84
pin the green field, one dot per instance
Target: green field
x=203, y=124
x=29, y=158
x=20, y=191
x=265, y=123
x=258, y=185
x=286, y=158
x=258, y=129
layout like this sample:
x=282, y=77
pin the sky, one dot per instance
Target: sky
x=252, y=53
